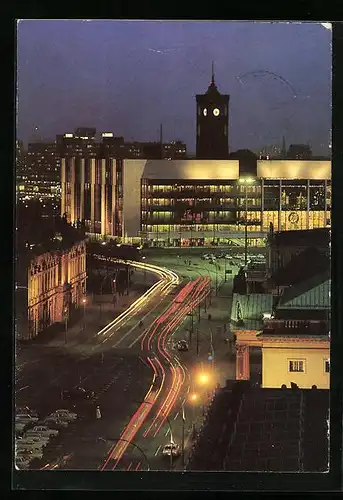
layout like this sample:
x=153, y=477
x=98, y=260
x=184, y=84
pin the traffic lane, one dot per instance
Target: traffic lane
x=129, y=335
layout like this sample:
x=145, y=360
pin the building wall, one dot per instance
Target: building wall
x=56, y=282
x=294, y=169
x=129, y=198
x=275, y=367
x=132, y=175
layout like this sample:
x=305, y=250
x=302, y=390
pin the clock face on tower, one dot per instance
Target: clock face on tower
x=216, y=112
x=205, y=112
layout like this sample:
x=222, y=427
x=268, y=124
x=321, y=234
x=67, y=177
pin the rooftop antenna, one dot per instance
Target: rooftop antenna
x=212, y=80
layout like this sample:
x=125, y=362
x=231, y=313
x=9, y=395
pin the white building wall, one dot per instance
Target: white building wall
x=132, y=175
x=275, y=367
x=294, y=169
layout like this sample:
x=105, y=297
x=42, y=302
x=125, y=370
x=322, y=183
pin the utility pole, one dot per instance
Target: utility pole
x=212, y=349
x=246, y=227
x=216, y=278
x=197, y=341
x=66, y=326
x=183, y=436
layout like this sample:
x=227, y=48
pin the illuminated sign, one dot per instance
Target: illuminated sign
x=68, y=135
x=107, y=134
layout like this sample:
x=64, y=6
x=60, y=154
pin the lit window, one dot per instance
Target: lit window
x=296, y=366
x=327, y=366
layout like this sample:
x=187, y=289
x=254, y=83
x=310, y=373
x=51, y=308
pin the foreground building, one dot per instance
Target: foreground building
x=50, y=284
x=253, y=429
x=195, y=202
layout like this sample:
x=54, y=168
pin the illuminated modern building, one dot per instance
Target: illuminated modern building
x=212, y=134
x=38, y=173
x=81, y=143
x=50, y=286
x=195, y=202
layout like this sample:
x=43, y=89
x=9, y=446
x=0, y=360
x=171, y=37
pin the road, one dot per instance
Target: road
x=143, y=385
x=43, y=370
x=166, y=409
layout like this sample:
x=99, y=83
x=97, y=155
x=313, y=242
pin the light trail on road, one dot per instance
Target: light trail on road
x=187, y=299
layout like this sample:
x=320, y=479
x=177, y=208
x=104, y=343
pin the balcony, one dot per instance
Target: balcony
x=296, y=327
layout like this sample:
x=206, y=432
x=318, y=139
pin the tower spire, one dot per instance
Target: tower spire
x=212, y=80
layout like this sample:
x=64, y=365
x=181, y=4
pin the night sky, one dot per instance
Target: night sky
x=127, y=77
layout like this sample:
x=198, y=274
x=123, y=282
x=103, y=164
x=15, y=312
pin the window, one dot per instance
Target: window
x=296, y=366
x=327, y=366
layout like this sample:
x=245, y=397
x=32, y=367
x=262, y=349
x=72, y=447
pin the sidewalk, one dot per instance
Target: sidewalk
x=99, y=311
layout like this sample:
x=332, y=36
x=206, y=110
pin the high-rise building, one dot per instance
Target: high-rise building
x=299, y=152
x=80, y=143
x=212, y=141
x=38, y=172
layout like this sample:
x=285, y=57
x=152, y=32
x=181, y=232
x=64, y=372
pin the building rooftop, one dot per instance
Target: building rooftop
x=253, y=429
x=307, y=238
x=191, y=169
x=313, y=293
x=294, y=169
x=301, y=267
x=250, y=309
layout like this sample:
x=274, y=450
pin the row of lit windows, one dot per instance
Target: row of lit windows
x=292, y=221
x=179, y=188
x=213, y=228
x=43, y=282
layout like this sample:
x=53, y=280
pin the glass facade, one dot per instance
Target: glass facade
x=201, y=212
x=190, y=212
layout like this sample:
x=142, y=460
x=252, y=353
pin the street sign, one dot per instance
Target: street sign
x=210, y=358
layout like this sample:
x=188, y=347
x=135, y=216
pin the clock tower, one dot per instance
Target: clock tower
x=212, y=134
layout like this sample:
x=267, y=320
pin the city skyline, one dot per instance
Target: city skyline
x=269, y=85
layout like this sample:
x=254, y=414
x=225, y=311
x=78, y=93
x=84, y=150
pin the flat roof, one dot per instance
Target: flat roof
x=191, y=169
x=294, y=169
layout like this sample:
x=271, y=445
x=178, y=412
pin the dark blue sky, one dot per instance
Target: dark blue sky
x=110, y=75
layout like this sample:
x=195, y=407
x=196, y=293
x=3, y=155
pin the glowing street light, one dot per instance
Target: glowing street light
x=203, y=378
x=193, y=397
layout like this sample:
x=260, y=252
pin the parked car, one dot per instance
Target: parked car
x=65, y=414
x=22, y=462
x=43, y=431
x=55, y=420
x=78, y=393
x=34, y=436
x=206, y=256
x=26, y=419
x=228, y=257
x=34, y=441
x=182, y=345
x=29, y=451
x=171, y=449
x=25, y=410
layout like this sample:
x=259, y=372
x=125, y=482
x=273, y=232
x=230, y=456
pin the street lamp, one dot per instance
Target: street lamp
x=66, y=325
x=84, y=312
x=246, y=181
